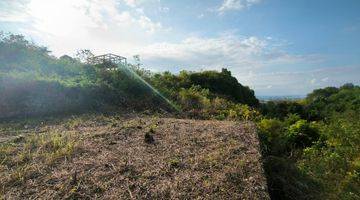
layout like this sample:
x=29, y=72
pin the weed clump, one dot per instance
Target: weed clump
x=149, y=138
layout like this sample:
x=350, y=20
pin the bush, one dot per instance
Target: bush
x=336, y=164
x=271, y=132
x=302, y=134
x=194, y=98
x=32, y=97
x=286, y=181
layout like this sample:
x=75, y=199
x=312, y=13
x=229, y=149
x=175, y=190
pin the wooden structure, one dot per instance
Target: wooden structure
x=109, y=60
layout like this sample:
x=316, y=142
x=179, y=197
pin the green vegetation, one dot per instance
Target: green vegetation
x=208, y=94
x=32, y=82
x=311, y=147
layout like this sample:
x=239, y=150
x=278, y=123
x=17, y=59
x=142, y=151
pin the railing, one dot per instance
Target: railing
x=107, y=58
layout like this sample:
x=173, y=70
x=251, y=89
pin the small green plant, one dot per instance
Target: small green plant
x=175, y=162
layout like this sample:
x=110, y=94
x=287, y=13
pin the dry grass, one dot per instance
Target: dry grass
x=110, y=158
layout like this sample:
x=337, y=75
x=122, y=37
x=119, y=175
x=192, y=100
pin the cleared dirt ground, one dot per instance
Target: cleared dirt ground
x=132, y=158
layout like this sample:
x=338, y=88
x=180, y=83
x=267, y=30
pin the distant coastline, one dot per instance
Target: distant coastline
x=280, y=97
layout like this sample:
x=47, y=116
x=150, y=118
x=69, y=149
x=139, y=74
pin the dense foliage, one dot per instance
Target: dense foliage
x=207, y=94
x=34, y=83
x=220, y=84
x=312, y=147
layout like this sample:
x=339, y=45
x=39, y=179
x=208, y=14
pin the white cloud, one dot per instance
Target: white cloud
x=298, y=82
x=67, y=25
x=12, y=11
x=131, y=3
x=229, y=5
x=147, y=24
x=325, y=79
x=227, y=50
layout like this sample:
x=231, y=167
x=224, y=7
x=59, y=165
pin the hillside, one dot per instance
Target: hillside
x=131, y=158
x=35, y=83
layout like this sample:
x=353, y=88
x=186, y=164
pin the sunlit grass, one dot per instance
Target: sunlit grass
x=32, y=156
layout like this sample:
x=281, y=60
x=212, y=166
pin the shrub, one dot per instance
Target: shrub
x=194, y=98
x=286, y=181
x=271, y=136
x=302, y=134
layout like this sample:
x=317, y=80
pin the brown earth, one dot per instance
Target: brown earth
x=136, y=158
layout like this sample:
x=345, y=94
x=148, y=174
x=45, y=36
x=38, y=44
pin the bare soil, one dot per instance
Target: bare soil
x=136, y=158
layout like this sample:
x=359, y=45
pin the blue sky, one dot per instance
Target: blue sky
x=276, y=47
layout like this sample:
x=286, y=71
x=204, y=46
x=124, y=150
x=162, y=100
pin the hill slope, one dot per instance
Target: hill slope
x=110, y=157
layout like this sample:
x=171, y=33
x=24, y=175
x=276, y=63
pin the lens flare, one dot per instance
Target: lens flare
x=131, y=72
